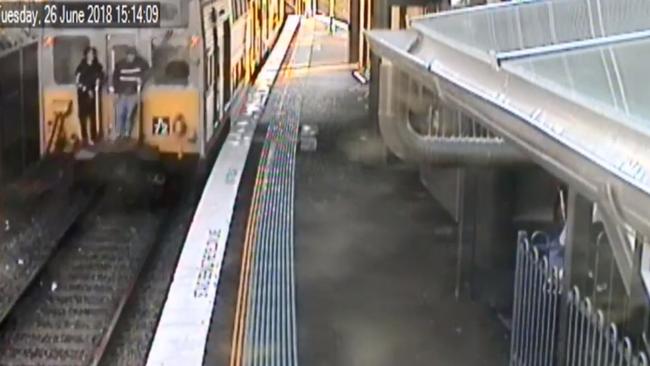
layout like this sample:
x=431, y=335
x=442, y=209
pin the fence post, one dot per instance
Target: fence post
x=21, y=96
x=515, y=345
x=578, y=226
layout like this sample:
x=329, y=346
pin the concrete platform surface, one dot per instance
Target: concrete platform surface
x=375, y=255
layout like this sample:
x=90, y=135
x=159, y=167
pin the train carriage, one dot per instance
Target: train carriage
x=201, y=57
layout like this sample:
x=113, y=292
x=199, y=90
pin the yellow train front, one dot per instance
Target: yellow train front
x=200, y=59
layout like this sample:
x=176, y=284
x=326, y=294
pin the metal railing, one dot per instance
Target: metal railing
x=591, y=341
x=536, y=308
x=418, y=126
x=451, y=124
x=540, y=338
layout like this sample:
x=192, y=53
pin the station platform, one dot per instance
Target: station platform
x=374, y=253
x=481, y=211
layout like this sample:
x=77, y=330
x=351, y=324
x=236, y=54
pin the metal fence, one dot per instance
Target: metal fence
x=540, y=338
x=591, y=341
x=536, y=308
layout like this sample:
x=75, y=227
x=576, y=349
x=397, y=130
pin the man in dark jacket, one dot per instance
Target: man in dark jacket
x=128, y=78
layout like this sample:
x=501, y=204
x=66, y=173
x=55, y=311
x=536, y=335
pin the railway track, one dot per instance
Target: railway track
x=67, y=315
x=36, y=213
x=134, y=331
x=27, y=251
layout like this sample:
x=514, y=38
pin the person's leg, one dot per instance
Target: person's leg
x=83, y=117
x=92, y=130
x=132, y=102
x=84, y=132
x=122, y=113
x=116, y=118
x=92, y=120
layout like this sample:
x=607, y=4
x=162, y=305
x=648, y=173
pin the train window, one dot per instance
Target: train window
x=168, y=11
x=210, y=69
x=118, y=52
x=244, y=6
x=174, y=14
x=240, y=8
x=170, y=65
x=67, y=52
x=235, y=9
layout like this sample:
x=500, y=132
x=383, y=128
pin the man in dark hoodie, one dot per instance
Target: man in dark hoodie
x=128, y=77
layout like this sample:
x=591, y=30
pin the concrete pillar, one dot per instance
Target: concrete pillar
x=381, y=20
x=354, y=33
x=578, y=238
x=494, y=236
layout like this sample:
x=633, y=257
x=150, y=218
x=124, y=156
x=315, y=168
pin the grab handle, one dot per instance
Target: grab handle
x=139, y=109
x=98, y=121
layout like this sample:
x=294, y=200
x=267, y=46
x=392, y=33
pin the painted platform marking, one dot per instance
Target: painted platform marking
x=182, y=331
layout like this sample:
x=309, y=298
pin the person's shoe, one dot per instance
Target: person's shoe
x=91, y=142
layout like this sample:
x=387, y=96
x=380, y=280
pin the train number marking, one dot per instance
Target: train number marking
x=160, y=126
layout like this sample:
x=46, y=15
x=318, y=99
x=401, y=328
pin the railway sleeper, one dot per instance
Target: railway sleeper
x=47, y=355
x=66, y=311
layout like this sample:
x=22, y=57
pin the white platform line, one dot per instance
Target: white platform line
x=182, y=331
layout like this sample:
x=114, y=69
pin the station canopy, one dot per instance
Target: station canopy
x=568, y=81
x=589, y=50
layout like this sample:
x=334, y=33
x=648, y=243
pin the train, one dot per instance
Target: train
x=201, y=57
x=19, y=125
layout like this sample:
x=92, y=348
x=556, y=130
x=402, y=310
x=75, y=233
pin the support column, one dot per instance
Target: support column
x=494, y=235
x=381, y=20
x=578, y=236
x=354, y=33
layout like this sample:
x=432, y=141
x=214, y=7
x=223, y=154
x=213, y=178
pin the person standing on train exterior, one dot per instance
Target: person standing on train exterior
x=128, y=79
x=89, y=75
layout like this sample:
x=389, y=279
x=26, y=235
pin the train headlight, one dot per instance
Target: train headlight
x=195, y=41
x=179, y=126
x=48, y=41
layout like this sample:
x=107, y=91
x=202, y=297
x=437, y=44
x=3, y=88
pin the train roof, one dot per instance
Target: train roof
x=14, y=39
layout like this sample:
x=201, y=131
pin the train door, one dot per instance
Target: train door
x=252, y=10
x=365, y=23
x=260, y=31
x=217, y=72
x=211, y=94
x=250, y=43
x=59, y=55
x=256, y=30
x=19, y=114
x=265, y=24
x=225, y=61
x=116, y=48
